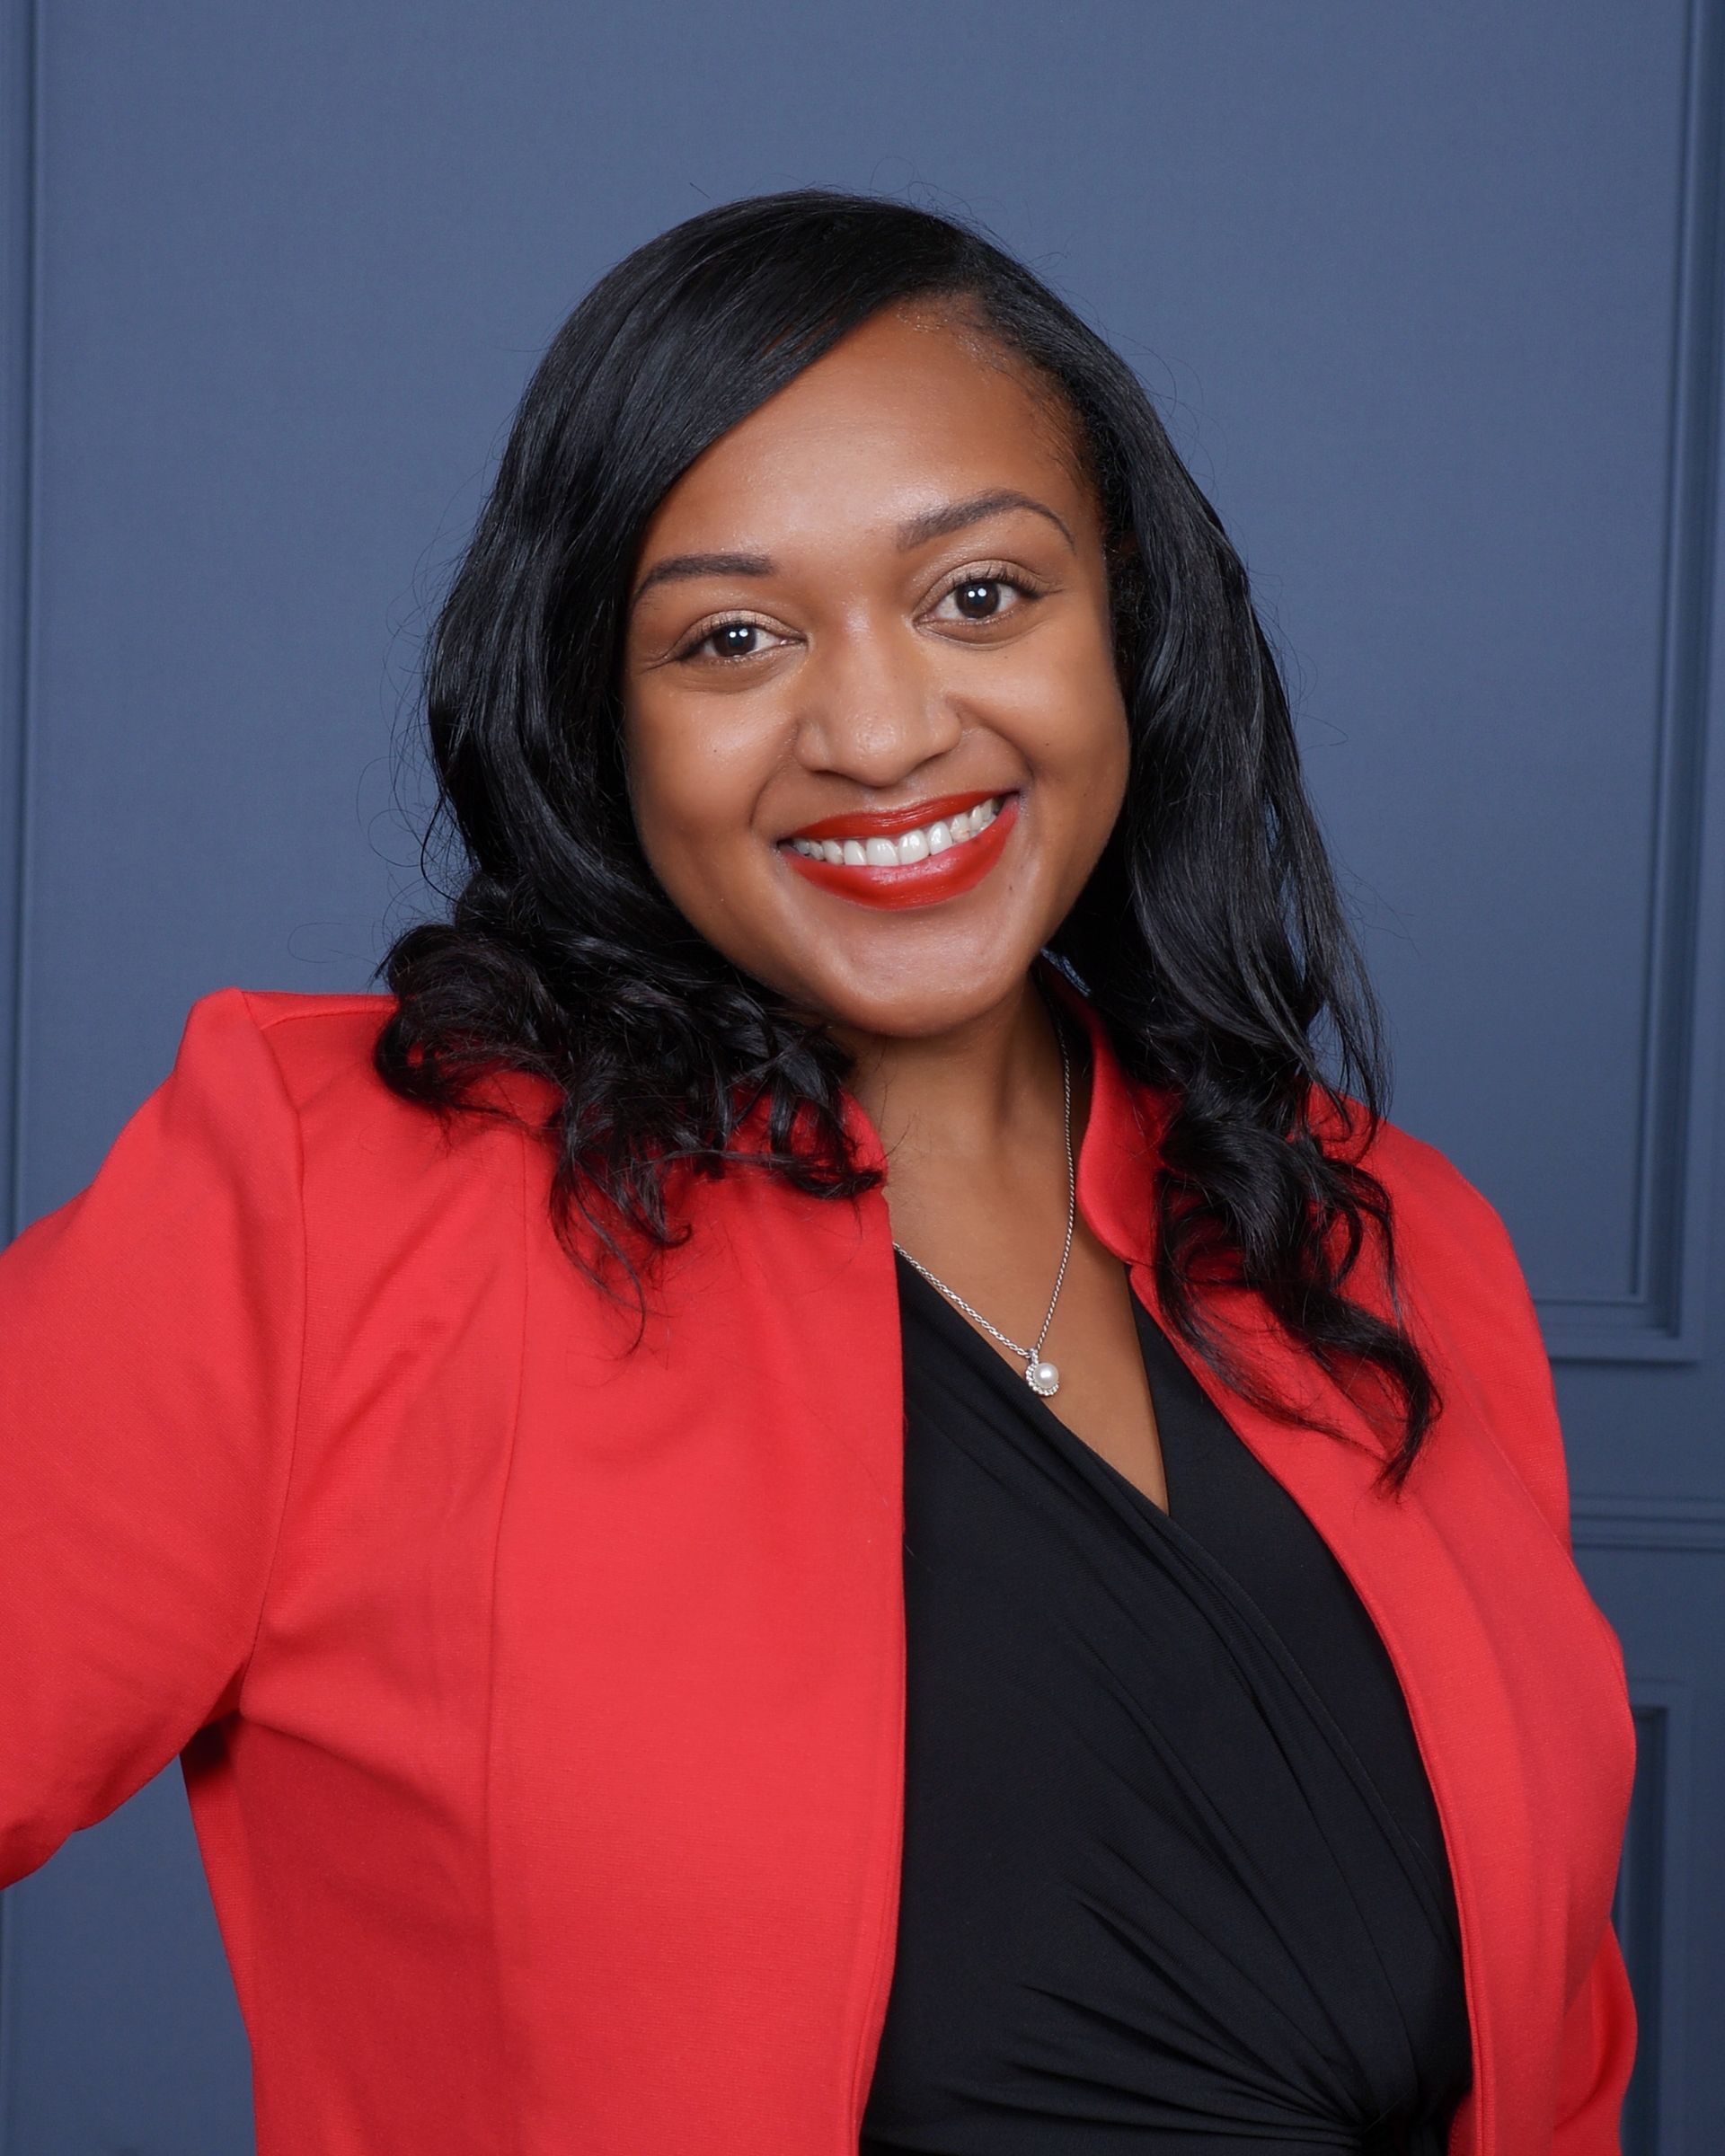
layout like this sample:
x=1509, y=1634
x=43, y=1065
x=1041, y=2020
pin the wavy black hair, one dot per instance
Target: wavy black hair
x=1210, y=937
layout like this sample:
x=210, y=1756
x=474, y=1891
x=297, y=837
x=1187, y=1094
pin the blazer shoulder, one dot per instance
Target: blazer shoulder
x=324, y=1048
x=316, y=1041
x=1460, y=1274
x=1434, y=1204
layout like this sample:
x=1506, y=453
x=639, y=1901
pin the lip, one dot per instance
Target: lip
x=887, y=823
x=913, y=882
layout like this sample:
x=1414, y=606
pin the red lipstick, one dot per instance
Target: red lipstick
x=943, y=875
x=887, y=823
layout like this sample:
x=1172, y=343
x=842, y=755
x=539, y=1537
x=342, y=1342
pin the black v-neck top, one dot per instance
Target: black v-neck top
x=1172, y=1877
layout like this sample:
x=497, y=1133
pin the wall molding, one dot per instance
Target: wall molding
x=1659, y=1317
x=20, y=319
x=1638, y=1915
x=1650, y=1909
x=1695, y=1524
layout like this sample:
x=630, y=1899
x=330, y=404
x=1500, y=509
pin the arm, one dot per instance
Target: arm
x=1599, y=2027
x=1598, y=2051
x=150, y=1340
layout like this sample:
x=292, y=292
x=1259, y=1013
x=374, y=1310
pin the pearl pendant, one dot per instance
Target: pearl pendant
x=1042, y=1377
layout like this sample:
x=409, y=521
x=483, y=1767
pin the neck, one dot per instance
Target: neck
x=971, y=1096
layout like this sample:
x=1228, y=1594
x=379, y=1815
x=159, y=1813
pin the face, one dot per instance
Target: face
x=871, y=621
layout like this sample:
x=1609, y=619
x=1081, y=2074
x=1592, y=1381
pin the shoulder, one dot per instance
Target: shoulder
x=313, y=1041
x=274, y=1057
x=321, y=1050
x=1462, y=1289
x=415, y=1230
x=1445, y=1224
x=299, y=1041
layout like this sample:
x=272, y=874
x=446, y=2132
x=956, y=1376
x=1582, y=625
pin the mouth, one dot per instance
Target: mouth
x=889, y=858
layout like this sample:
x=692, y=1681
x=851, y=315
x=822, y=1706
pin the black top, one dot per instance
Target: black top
x=1172, y=1877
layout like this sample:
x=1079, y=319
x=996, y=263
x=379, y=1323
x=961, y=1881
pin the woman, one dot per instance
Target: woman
x=816, y=1490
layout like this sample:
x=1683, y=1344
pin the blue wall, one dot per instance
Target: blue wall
x=1431, y=297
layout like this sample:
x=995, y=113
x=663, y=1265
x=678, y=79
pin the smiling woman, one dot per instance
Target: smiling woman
x=900, y=1526
x=822, y=508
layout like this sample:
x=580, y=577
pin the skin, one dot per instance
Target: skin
x=877, y=675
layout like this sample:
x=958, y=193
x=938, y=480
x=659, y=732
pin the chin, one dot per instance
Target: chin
x=918, y=996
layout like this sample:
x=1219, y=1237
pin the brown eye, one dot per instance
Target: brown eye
x=727, y=641
x=979, y=599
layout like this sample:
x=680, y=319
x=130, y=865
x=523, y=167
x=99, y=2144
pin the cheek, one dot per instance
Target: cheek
x=1073, y=719
x=693, y=782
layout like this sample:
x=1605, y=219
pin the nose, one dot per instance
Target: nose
x=875, y=708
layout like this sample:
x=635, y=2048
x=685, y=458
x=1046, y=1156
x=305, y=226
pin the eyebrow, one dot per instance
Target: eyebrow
x=677, y=566
x=955, y=516
x=914, y=532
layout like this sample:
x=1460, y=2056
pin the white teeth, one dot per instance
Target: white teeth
x=909, y=846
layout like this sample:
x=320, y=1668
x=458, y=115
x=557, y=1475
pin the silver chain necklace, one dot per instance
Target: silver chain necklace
x=1040, y=1376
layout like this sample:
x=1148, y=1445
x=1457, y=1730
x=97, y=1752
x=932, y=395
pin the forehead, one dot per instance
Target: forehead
x=913, y=403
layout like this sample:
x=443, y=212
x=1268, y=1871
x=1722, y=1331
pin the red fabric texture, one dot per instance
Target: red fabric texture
x=540, y=1703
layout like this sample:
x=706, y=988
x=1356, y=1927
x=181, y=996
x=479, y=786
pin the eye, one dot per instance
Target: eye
x=731, y=640
x=977, y=590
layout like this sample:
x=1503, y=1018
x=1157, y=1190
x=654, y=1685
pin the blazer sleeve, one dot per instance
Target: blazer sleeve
x=1598, y=2052
x=151, y=1330
x=1599, y=2027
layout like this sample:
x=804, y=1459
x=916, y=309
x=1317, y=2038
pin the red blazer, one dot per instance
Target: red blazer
x=540, y=1705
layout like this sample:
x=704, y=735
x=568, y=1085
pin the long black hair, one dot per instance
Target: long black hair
x=1210, y=938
